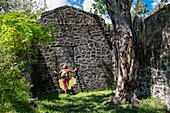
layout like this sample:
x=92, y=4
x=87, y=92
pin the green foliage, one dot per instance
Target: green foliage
x=99, y=7
x=5, y=6
x=20, y=36
x=138, y=9
x=29, y=6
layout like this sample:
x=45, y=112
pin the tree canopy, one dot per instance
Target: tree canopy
x=138, y=8
x=29, y=6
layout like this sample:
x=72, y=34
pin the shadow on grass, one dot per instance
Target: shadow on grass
x=47, y=96
x=24, y=108
x=85, y=103
x=95, y=104
x=77, y=104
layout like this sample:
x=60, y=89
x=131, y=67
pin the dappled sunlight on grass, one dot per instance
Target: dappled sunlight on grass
x=81, y=102
x=92, y=102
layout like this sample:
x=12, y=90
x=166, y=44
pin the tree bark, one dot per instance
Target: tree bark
x=119, y=11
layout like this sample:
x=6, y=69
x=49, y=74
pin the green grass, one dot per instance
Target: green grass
x=88, y=102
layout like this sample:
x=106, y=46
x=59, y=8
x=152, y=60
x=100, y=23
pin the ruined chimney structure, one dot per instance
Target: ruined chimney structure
x=83, y=40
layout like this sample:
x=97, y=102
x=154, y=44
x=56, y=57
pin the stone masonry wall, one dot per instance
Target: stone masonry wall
x=155, y=41
x=82, y=41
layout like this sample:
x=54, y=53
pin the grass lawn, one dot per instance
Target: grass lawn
x=87, y=102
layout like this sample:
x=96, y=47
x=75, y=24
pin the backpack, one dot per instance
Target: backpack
x=64, y=75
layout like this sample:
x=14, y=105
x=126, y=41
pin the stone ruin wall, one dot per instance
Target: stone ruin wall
x=83, y=38
x=155, y=41
x=87, y=39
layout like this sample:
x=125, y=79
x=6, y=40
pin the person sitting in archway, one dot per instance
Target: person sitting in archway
x=64, y=76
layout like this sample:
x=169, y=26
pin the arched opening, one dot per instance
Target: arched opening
x=65, y=55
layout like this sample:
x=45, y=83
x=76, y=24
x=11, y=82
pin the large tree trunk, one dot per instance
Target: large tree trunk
x=119, y=11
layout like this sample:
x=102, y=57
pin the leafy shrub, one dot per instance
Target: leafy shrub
x=20, y=35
